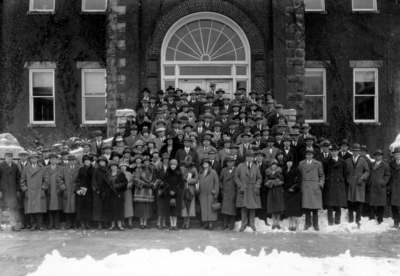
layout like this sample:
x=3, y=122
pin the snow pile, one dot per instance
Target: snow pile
x=212, y=262
x=367, y=226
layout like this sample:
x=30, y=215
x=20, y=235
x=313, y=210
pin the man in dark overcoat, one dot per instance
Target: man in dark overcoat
x=394, y=187
x=248, y=182
x=10, y=190
x=357, y=173
x=228, y=191
x=377, y=187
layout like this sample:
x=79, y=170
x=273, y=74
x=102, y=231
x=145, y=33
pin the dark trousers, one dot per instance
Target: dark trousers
x=379, y=212
x=71, y=219
x=251, y=217
x=314, y=216
x=37, y=219
x=54, y=218
x=396, y=214
x=338, y=213
x=229, y=220
x=354, y=207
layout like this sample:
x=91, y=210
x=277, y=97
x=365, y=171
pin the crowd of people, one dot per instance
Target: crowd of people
x=180, y=154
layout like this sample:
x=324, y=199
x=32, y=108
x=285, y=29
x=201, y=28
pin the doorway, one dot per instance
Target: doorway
x=188, y=85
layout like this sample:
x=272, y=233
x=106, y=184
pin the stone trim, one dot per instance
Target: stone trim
x=40, y=65
x=366, y=63
x=317, y=63
x=88, y=65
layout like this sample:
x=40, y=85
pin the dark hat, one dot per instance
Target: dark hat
x=212, y=84
x=344, y=142
x=137, y=156
x=364, y=148
x=258, y=118
x=215, y=103
x=177, y=99
x=296, y=125
x=253, y=92
x=212, y=151
x=200, y=118
x=294, y=132
x=289, y=158
x=65, y=152
x=165, y=156
x=242, y=89
x=153, y=97
x=34, y=154
x=310, y=151
x=102, y=158
x=334, y=147
x=145, y=101
x=246, y=134
x=279, y=106
x=97, y=133
x=265, y=128
x=227, y=140
x=229, y=159
x=257, y=133
x=127, y=150
x=53, y=155
x=116, y=153
x=186, y=139
x=268, y=93
x=325, y=143
x=305, y=126
x=220, y=90
x=249, y=153
x=46, y=149
x=209, y=96
x=270, y=139
x=178, y=89
x=205, y=159
x=226, y=98
x=247, y=124
x=310, y=137
x=378, y=152
x=355, y=146
x=396, y=150
x=71, y=157
x=207, y=116
x=278, y=133
x=286, y=137
x=217, y=124
x=243, y=101
x=170, y=88
x=232, y=123
x=184, y=94
x=223, y=111
x=23, y=152
x=105, y=147
x=187, y=125
x=237, y=93
x=235, y=104
x=259, y=152
x=193, y=92
x=146, y=90
x=160, y=92
x=87, y=157
x=122, y=125
x=176, y=121
x=197, y=88
x=112, y=163
x=234, y=146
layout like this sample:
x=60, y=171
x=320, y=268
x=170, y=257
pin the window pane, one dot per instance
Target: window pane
x=314, y=107
x=241, y=70
x=42, y=83
x=43, y=5
x=314, y=4
x=43, y=109
x=170, y=71
x=365, y=82
x=95, y=109
x=95, y=5
x=363, y=4
x=314, y=83
x=364, y=108
x=95, y=83
x=205, y=70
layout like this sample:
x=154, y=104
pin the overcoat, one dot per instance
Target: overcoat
x=84, y=206
x=274, y=182
x=114, y=201
x=334, y=192
x=209, y=187
x=394, y=183
x=378, y=184
x=356, y=185
x=248, y=184
x=312, y=182
x=97, y=182
x=228, y=190
x=174, y=183
x=10, y=179
x=268, y=154
x=202, y=153
x=129, y=195
x=67, y=180
x=291, y=191
x=190, y=184
x=34, y=182
x=54, y=194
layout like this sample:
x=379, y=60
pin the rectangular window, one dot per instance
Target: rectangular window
x=94, y=5
x=315, y=95
x=94, y=96
x=41, y=91
x=42, y=5
x=364, y=5
x=314, y=5
x=365, y=94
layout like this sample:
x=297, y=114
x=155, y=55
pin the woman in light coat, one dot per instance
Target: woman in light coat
x=191, y=178
x=128, y=194
x=209, y=189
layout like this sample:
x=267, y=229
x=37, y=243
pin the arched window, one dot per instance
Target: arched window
x=203, y=48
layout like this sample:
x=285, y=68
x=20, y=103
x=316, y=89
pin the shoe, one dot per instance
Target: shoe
x=147, y=227
x=358, y=225
x=395, y=226
x=253, y=228
x=142, y=227
x=130, y=226
x=33, y=228
x=266, y=223
x=306, y=226
x=120, y=228
x=1, y=229
x=183, y=225
x=316, y=227
x=231, y=227
x=57, y=227
x=330, y=223
x=22, y=227
x=41, y=229
x=210, y=227
x=159, y=227
x=204, y=226
x=88, y=227
x=49, y=227
x=224, y=227
x=100, y=227
x=28, y=226
x=273, y=227
x=187, y=227
x=176, y=228
x=15, y=229
x=165, y=227
x=278, y=227
x=111, y=228
x=242, y=228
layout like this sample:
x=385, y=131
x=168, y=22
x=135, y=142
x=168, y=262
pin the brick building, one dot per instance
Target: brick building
x=335, y=61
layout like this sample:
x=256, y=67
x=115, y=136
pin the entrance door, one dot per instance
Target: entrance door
x=188, y=85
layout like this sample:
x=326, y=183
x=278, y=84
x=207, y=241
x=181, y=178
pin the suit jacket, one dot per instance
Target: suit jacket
x=200, y=133
x=235, y=134
x=269, y=155
x=312, y=179
x=279, y=145
x=357, y=175
x=345, y=156
x=293, y=153
x=242, y=149
x=196, y=106
x=216, y=166
x=181, y=154
x=260, y=145
x=95, y=149
x=239, y=159
x=141, y=113
x=222, y=154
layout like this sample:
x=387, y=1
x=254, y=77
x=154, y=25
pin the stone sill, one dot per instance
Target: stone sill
x=316, y=12
x=41, y=13
x=92, y=12
x=365, y=12
x=368, y=123
x=319, y=124
x=40, y=125
x=93, y=125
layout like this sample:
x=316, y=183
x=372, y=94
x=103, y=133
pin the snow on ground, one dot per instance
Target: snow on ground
x=367, y=226
x=211, y=262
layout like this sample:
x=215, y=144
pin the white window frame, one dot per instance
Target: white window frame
x=316, y=10
x=84, y=10
x=31, y=71
x=31, y=2
x=323, y=70
x=375, y=8
x=84, y=121
x=233, y=77
x=376, y=96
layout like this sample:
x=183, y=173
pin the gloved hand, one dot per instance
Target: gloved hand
x=360, y=184
x=215, y=197
x=172, y=193
x=256, y=192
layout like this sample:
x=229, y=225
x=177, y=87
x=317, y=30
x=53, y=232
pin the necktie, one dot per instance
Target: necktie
x=248, y=166
x=398, y=162
x=354, y=159
x=187, y=150
x=326, y=155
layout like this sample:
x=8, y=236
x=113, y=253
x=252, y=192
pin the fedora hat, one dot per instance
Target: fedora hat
x=325, y=143
x=334, y=147
x=305, y=126
x=71, y=157
x=97, y=133
x=112, y=163
x=286, y=137
x=310, y=151
x=310, y=137
x=355, y=146
x=364, y=148
x=229, y=159
x=87, y=157
x=378, y=152
x=165, y=156
x=249, y=153
x=396, y=150
x=102, y=158
x=344, y=142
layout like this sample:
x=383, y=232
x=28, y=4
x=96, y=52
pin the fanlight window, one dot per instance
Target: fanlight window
x=205, y=40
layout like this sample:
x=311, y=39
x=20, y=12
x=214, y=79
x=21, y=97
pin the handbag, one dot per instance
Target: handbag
x=172, y=202
x=161, y=193
x=216, y=206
